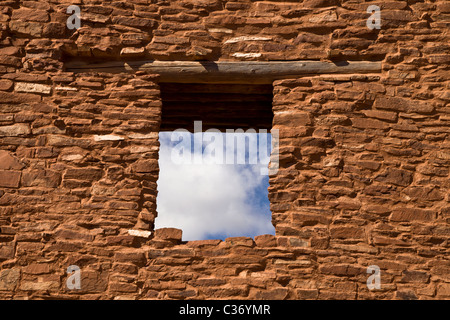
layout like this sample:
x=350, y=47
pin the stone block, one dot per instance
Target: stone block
x=25, y=14
x=134, y=256
x=9, y=179
x=412, y=214
x=9, y=279
x=37, y=268
x=87, y=173
x=32, y=87
x=33, y=29
x=443, y=290
x=146, y=166
x=168, y=234
x=9, y=162
x=15, y=130
x=395, y=176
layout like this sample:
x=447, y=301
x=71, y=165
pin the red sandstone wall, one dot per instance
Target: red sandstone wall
x=364, y=159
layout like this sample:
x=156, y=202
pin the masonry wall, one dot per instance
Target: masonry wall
x=364, y=159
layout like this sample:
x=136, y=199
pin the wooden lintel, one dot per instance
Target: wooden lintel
x=228, y=71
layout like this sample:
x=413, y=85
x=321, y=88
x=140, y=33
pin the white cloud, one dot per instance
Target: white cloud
x=211, y=200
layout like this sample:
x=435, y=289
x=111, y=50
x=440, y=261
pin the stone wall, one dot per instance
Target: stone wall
x=364, y=159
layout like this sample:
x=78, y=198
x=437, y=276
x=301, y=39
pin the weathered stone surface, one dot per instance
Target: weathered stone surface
x=88, y=173
x=33, y=29
x=93, y=281
x=415, y=276
x=9, y=278
x=382, y=115
x=10, y=97
x=73, y=235
x=267, y=240
x=25, y=14
x=135, y=22
x=443, y=290
x=347, y=232
x=274, y=294
x=130, y=52
x=168, y=234
x=145, y=166
x=412, y=214
x=15, y=130
x=41, y=178
x=108, y=137
x=369, y=123
x=9, y=178
x=32, y=87
x=395, y=176
x=135, y=256
x=139, y=233
x=7, y=251
x=37, y=268
x=307, y=294
x=123, y=287
x=9, y=162
x=39, y=286
x=404, y=105
x=342, y=270
x=6, y=85
x=287, y=118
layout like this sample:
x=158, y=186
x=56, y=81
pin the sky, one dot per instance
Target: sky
x=209, y=200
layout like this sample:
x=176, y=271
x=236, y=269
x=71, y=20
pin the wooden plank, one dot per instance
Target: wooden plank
x=217, y=105
x=216, y=88
x=258, y=72
x=213, y=97
x=221, y=126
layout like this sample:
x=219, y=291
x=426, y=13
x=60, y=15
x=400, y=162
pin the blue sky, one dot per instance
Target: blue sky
x=211, y=201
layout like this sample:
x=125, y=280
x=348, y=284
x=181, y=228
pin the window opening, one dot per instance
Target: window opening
x=215, y=146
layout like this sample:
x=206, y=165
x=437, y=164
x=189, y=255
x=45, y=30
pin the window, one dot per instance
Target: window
x=215, y=147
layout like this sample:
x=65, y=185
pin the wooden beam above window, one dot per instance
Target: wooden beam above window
x=258, y=72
